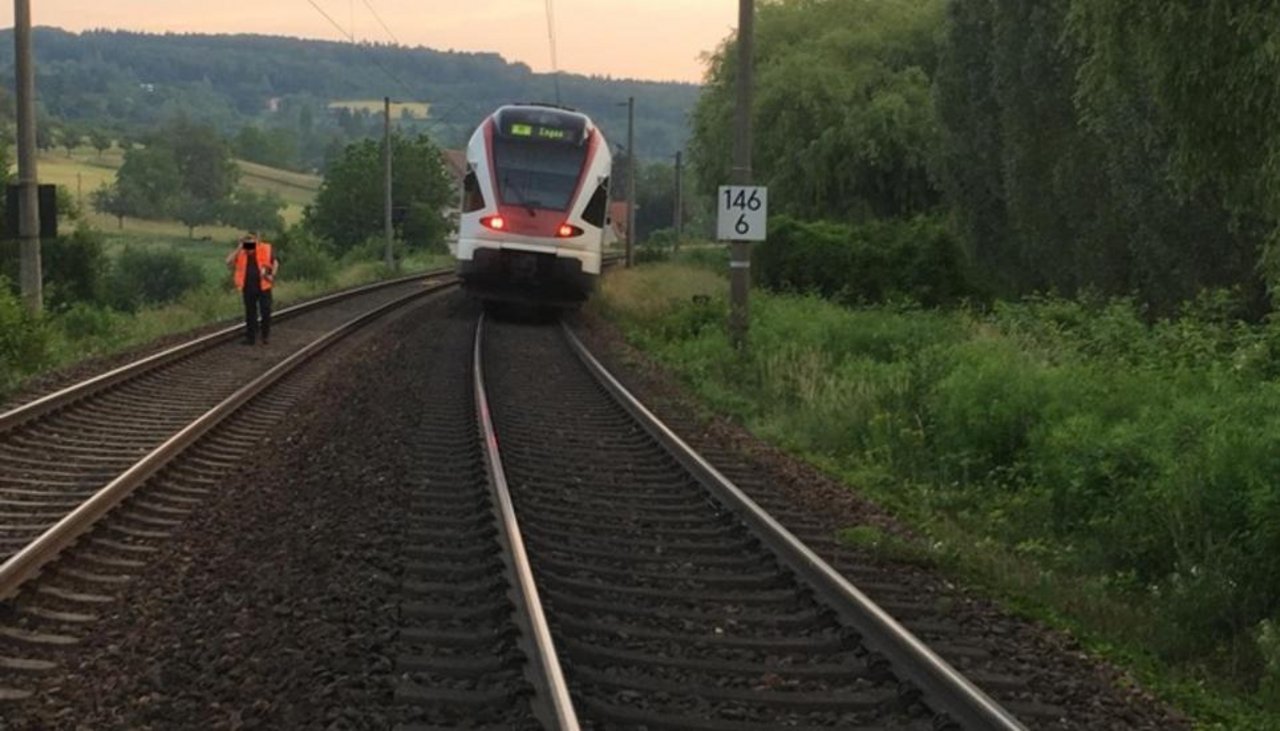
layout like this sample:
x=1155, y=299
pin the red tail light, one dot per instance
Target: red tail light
x=497, y=223
x=567, y=232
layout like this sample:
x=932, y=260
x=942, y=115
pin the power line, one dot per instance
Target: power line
x=382, y=23
x=351, y=37
x=551, y=36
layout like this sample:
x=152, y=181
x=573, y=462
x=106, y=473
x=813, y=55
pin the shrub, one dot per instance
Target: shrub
x=657, y=247
x=24, y=340
x=714, y=257
x=304, y=257
x=141, y=277
x=871, y=263
x=84, y=323
x=74, y=268
x=373, y=249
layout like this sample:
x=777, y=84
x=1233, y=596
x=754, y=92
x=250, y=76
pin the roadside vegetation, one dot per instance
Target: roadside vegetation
x=145, y=274
x=1109, y=475
x=1019, y=287
x=147, y=292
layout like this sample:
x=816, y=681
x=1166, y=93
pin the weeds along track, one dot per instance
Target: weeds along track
x=113, y=465
x=671, y=604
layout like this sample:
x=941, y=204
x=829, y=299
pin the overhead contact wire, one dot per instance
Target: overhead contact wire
x=351, y=37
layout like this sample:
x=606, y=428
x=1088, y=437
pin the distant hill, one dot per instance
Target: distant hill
x=131, y=81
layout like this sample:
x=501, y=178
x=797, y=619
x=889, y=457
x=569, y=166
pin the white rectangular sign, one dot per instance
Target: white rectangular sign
x=742, y=212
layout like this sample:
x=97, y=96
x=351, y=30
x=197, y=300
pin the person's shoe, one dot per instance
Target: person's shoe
x=266, y=341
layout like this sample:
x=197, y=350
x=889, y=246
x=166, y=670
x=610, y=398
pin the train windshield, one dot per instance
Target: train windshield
x=536, y=173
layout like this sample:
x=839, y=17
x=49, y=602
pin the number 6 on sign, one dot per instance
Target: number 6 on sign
x=742, y=213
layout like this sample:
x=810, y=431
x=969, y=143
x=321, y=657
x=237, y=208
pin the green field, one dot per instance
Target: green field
x=421, y=110
x=85, y=171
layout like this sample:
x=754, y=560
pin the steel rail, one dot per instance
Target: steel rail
x=20, y=415
x=547, y=677
x=24, y=564
x=944, y=688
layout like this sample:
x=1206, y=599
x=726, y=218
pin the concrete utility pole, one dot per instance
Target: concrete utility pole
x=631, y=180
x=386, y=160
x=679, y=212
x=740, y=254
x=32, y=279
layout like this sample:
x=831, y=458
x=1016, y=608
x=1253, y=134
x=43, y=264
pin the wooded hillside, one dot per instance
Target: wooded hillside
x=135, y=81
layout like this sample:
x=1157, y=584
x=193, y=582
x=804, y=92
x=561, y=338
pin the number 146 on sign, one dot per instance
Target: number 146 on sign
x=742, y=213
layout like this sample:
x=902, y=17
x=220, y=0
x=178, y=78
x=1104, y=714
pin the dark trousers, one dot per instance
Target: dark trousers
x=256, y=301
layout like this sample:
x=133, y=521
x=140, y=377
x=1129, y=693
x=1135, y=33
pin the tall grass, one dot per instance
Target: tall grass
x=30, y=346
x=1115, y=473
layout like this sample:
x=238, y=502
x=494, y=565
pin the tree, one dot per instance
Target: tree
x=112, y=200
x=149, y=183
x=1053, y=188
x=845, y=90
x=349, y=206
x=193, y=212
x=208, y=172
x=70, y=138
x=1207, y=72
x=100, y=140
x=655, y=198
x=252, y=211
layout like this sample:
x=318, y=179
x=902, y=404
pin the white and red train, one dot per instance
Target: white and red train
x=535, y=204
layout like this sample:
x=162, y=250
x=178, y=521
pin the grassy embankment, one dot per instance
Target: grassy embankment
x=1113, y=478
x=65, y=338
x=90, y=329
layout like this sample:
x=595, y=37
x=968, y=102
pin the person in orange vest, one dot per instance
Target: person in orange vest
x=254, y=266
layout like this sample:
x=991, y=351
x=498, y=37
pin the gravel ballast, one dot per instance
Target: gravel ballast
x=278, y=607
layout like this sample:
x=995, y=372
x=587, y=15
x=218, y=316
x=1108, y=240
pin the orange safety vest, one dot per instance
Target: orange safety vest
x=263, y=251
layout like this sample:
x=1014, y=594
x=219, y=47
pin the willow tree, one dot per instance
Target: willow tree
x=1211, y=69
x=843, y=116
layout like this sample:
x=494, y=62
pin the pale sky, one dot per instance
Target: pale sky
x=646, y=39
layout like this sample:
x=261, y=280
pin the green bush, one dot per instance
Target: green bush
x=83, y=324
x=24, y=340
x=140, y=278
x=74, y=268
x=658, y=246
x=304, y=257
x=372, y=249
x=875, y=262
x=714, y=257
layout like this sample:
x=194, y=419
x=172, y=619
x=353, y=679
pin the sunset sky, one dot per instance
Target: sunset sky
x=647, y=39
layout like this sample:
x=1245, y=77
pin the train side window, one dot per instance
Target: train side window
x=472, y=196
x=594, y=213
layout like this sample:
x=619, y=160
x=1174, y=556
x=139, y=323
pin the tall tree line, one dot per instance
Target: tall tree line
x=133, y=82
x=1119, y=146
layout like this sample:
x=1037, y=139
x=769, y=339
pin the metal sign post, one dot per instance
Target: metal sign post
x=740, y=253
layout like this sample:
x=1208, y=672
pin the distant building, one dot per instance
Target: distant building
x=455, y=164
x=616, y=232
x=273, y=104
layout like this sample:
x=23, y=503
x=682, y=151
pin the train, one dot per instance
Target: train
x=535, y=207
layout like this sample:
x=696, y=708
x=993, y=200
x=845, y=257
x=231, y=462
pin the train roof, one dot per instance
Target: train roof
x=543, y=122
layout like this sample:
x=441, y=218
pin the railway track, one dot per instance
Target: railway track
x=673, y=601
x=590, y=573
x=112, y=465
